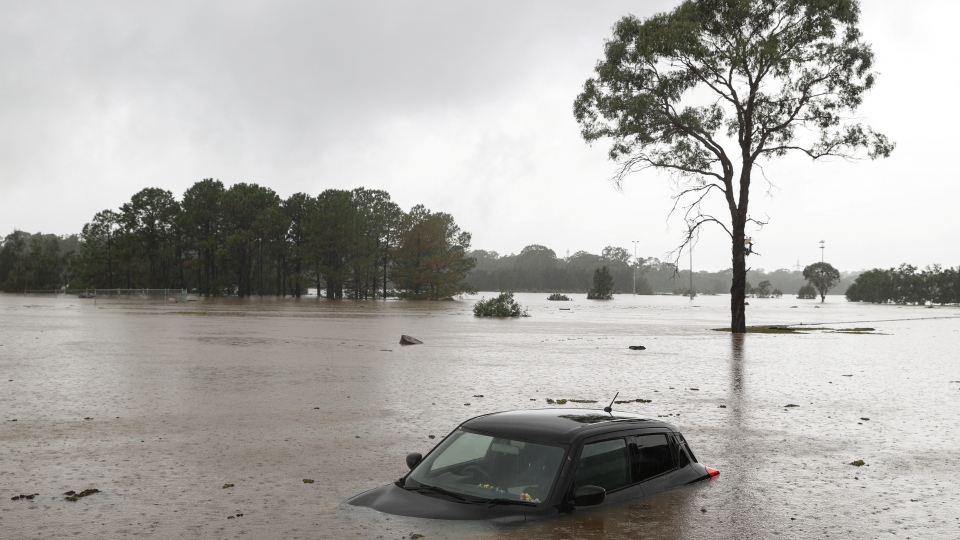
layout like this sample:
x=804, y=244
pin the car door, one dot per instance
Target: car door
x=606, y=462
x=655, y=462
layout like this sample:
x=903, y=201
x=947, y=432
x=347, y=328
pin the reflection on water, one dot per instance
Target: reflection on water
x=261, y=394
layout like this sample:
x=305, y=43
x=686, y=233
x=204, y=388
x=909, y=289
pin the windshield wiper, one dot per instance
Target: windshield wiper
x=499, y=500
x=437, y=489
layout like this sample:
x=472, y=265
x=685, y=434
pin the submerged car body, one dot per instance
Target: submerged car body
x=522, y=465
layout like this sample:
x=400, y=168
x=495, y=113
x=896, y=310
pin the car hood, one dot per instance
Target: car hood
x=392, y=499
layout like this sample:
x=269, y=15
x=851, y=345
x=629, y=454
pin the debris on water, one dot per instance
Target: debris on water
x=703, y=509
x=865, y=419
x=87, y=418
x=72, y=496
x=791, y=405
x=316, y=408
x=695, y=389
x=225, y=486
x=466, y=404
x=307, y=480
x=22, y=496
x=229, y=517
x=414, y=536
x=793, y=307
x=431, y=436
x=722, y=407
x=848, y=375
x=239, y=515
x=409, y=340
x=12, y=420
x=478, y=395
x=550, y=401
x=637, y=348
x=857, y=463
x=582, y=400
x=533, y=399
x=386, y=350
x=561, y=402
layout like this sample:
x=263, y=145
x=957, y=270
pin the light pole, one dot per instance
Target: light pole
x=634, y=266
x=821, y=251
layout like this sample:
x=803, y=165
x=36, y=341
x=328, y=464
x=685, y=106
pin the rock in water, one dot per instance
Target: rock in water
x=637, y=348
x=408, y=340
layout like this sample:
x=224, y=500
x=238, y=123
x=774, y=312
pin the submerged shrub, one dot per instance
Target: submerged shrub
x=558, y=296
x=501, y=306
x=807, y=292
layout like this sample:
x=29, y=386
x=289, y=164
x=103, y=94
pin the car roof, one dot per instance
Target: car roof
x=559, y=425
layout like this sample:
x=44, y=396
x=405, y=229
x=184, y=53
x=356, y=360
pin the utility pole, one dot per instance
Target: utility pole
x=821, y=251
x=634, y=266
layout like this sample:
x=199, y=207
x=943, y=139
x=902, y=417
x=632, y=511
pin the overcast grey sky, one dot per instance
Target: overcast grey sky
x=465, y=107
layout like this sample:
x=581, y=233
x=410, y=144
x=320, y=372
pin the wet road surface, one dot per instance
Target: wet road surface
x=160, y=405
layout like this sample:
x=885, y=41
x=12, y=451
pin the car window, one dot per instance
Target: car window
x=605, y=464
x=467, y=447
x=655, y=455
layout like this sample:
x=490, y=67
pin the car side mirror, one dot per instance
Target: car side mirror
x=589, y=496
x=413, y=459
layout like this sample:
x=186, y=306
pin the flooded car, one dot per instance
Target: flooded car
x=532, y=464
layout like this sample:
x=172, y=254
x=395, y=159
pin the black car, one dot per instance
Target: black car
x=523, y=465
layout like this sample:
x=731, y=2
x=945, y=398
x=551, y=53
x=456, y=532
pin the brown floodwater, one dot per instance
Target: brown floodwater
x=159, y=405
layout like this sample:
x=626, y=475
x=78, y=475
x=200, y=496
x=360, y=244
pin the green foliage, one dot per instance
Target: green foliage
x=538, y=269
x=713, y=87
x=37, y=261
x=763, y=289
x=822, y=276
x=558, y=297
x=501, y=306
x=777, y=293
x=246, y=240
x=602, y=285
x=431, y=259
x=807, y=292
x=905, y=285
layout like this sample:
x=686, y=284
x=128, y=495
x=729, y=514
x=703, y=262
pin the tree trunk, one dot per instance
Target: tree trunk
x=738, y=290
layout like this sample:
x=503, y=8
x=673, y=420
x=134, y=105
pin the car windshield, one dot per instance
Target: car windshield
x=479, y=466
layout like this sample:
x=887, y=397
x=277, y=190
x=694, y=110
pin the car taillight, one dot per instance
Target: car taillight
x=712, y=472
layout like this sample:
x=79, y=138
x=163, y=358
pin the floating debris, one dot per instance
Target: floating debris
x=22, y=496
x=72, y=496
x=582, y=400
x=307, y=480
x=478, y=395
x=431, y=436
x=225, y=486
x=696, y=389
x=637, y=348
x=858, y=463
x=722, y=407
x=791, y=405
x=865, y=419
x=87, y=418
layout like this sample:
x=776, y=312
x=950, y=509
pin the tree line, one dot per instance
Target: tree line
x=907, y=285
x=246, y=240
x=538, y=269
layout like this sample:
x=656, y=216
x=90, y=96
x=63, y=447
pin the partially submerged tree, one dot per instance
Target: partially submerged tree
x=602, y=285
x=716, y=87
x=823, y=277
x=807, y=292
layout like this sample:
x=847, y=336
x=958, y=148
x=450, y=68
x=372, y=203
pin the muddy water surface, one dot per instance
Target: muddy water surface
x=160, y=405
